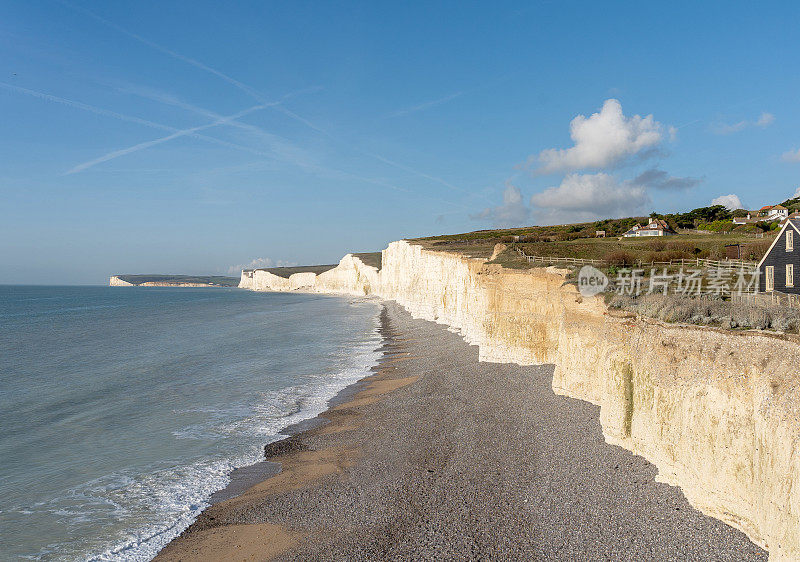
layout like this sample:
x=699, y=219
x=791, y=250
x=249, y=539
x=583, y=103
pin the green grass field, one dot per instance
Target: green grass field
x=660, y=248
x=481, y=244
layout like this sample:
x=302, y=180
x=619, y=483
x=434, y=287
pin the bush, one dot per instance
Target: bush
x=717, y=226
x=708, y=311
x=620, y=258
x=676, y=246
x=756, y=250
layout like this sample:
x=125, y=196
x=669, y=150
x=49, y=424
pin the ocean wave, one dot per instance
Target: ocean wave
x=173, y=498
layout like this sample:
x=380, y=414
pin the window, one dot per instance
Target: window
x=789, y=275
x=789, y=240
x=770, y=278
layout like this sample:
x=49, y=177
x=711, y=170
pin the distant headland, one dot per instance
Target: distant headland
x=151, y=280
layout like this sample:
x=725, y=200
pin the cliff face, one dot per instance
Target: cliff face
x=246, y=280
x=350, y=277
x=265, y=281
x=716, y=411
x=115, y=281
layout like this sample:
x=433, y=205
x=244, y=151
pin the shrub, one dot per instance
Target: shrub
x=756, y=250
x=717, y=226
x=651, y=257
x=620, y=258
x=683, y=247
x=708, y=311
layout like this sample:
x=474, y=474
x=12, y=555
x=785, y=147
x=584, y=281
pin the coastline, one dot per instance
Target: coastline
x=245, y=477
x=436, y=453
x=348, y=360
x=288, y=458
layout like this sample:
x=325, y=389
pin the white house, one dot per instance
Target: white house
x=773, y=213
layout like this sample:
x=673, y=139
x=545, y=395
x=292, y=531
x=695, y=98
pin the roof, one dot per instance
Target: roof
x=779, y=207
x=765, y=208
x=660, y=224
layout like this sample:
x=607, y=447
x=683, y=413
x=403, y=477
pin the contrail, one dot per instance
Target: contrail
x=366, y=153
x=370, y=154
x=84, y=106
x=127, y=118
x=185, y=132
x=193, y=132
x=253, y=93
x=241, y=86
x=425, y=105
x=173, y=101
x=197, y=64
x=411, y=170
x=148, y=144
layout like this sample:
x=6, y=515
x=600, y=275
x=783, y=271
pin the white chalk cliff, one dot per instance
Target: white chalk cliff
x=115, y=281
x=718, y=412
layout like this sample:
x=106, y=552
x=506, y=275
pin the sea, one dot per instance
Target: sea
x=123, y=409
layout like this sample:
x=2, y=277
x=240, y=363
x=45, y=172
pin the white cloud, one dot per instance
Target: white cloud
x=673, y=133
x=731, y=201
x=513, y=212
x=258, y=263
x=796, y=193
x=602, y=140
x=791, y=156
x=582, y=197
x=763, y=121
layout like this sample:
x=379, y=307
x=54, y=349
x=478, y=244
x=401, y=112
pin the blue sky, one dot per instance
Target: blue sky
x=192, y=137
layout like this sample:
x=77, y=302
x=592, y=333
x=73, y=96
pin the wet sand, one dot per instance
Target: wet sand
x=439, y=456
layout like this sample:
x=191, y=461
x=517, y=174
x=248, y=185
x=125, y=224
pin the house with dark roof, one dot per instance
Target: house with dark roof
x=656, y=227
x=745, y=220
x=795, y=215
x=779, y=268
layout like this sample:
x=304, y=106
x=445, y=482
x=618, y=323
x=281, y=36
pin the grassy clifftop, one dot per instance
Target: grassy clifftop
x=372, y=259
x=579, y=241
x=285, y=272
